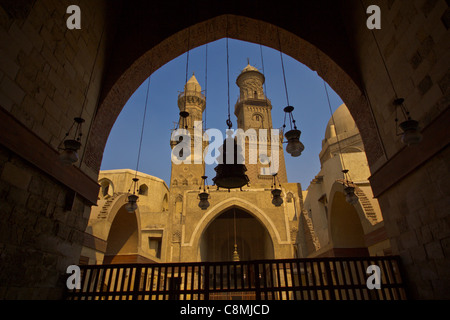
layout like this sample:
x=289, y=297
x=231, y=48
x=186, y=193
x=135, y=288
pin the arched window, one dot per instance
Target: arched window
x=143, y=190
x=106, y=188
x=165, y=203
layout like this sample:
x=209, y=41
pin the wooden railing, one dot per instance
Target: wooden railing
x=288, y=279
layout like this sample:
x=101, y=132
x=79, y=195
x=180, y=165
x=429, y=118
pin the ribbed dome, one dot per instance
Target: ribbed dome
x=343, y=121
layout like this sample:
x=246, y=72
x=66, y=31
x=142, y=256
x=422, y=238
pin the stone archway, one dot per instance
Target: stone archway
x=252, y=238
x=345, y=230
x=344, y=82
x=282, y=247
x=123, y=238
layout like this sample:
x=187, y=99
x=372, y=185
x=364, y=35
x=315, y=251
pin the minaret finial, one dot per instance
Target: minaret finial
x=248, y=60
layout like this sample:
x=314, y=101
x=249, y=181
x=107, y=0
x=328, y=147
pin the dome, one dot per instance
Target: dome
x=193, y=85
x=249, y=68
x=343, y=122
x=249, y=72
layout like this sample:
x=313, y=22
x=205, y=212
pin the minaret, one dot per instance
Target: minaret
x=191, y=100
x=253, y=111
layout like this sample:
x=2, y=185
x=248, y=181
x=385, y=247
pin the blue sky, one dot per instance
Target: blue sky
x=305, y=89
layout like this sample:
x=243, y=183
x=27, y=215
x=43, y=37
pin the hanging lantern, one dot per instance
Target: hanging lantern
x=204, y=195
x=410, y=128
x=235, y=256
x=69, y=153
x=411, y=132
x=131, y=205
x=294, y=146
x=350, y=195
x=182, y=155
x=349, y=189
x=230, y=175
x=277, y=200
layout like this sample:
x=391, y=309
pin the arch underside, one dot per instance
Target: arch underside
x=131, y=72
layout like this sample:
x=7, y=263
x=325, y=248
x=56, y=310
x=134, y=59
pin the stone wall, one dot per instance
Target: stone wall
x=41, y=231
x=414, y=43
x=48, y=75
x=416, y=215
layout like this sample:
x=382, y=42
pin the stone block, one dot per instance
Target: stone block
x=20, y=37
x=5, y=102
x=415, y=60
x=424, y=234
x=8, y=66
x=434, y=250
x=418, y=254
x=408, y=239
x=36, y=204
x=443, y=268
x=12, y=90
x=425, y=84
x=16, y=176
x=444, y=82
x=445, y=18
x=441, y=288
x=428, y=271
x=428, y=6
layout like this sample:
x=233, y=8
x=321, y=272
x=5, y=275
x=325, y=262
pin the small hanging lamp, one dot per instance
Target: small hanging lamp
x=349, y=189
x=294, y=146
x=204, y=195
x=69, y=153
x=235, y=255
x=277, y=200
x=131, y=205
x=183, y=124
x=411, y=132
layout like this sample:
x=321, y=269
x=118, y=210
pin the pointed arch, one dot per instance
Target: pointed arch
x=335, y=67
x=242, y=204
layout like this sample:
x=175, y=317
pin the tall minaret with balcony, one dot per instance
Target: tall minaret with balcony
x=191, y=100
x=253, y=111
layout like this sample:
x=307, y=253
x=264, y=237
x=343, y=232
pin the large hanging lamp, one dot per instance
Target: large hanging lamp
x=230, y=172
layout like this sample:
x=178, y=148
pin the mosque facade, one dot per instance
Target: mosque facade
x=244, y=223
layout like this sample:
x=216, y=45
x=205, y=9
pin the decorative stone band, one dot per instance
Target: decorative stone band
x=435, y=139
x=23, y=142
